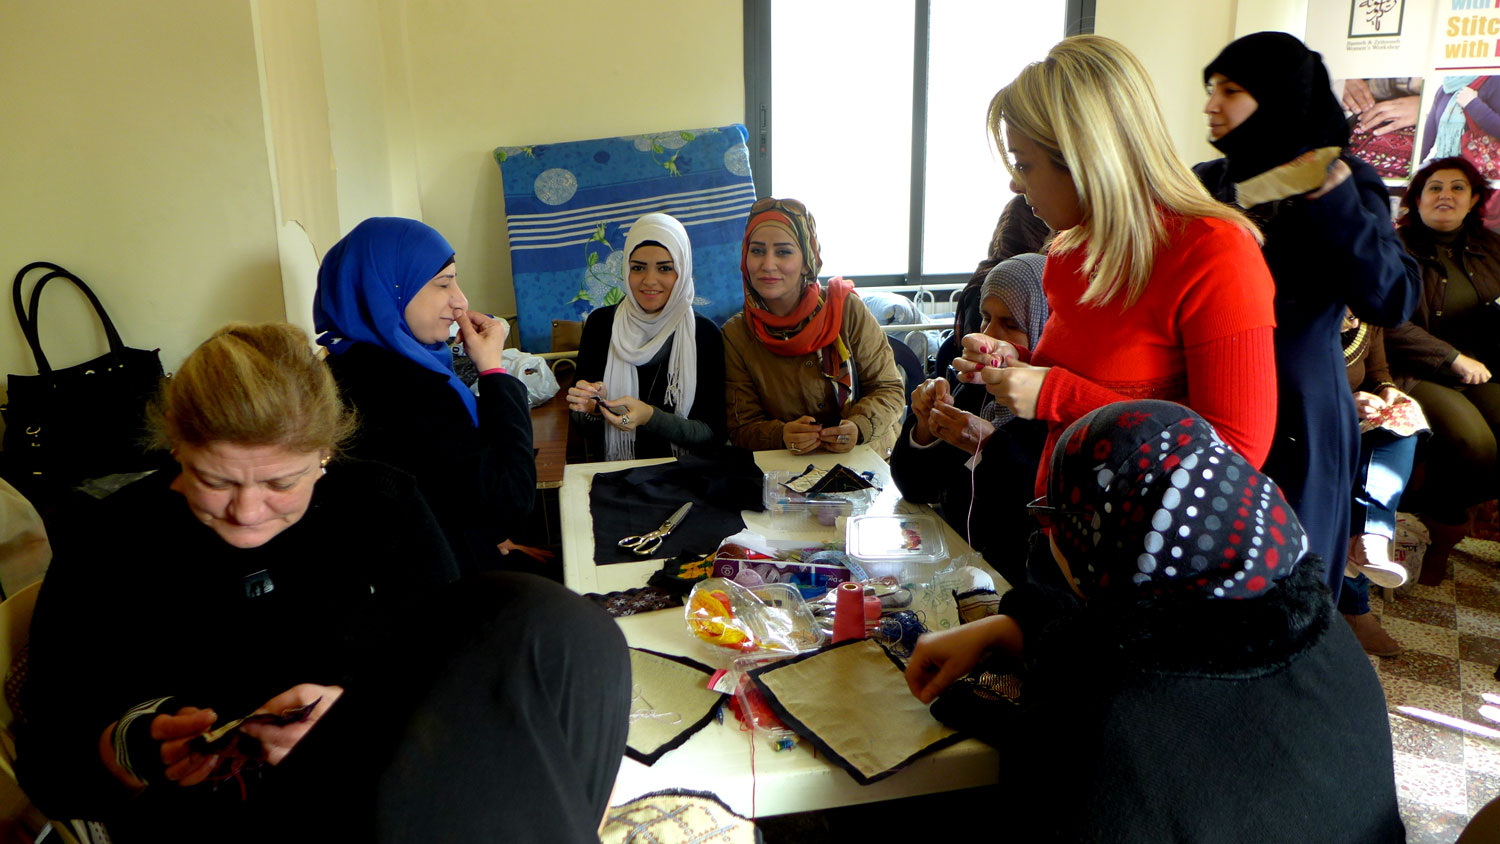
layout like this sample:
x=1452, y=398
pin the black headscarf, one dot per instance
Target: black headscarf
x=1152, y=502
x=1296, y=110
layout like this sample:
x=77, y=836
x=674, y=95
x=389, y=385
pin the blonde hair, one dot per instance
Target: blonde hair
x=255, y=384
x=1090, y=104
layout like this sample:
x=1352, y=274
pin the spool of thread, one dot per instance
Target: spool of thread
x=848, y=613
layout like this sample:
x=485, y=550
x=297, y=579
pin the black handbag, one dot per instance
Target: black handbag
x=64, y=426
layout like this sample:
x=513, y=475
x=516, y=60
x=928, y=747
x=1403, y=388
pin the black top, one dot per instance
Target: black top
x=143, y=601
x=480, y=482
x=708, y=402
x=1196, y=720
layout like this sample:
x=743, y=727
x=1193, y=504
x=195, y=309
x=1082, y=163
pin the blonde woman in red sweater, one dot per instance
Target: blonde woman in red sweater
x=1157, y=290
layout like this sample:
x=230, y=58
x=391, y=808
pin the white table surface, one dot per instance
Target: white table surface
x=718, y=757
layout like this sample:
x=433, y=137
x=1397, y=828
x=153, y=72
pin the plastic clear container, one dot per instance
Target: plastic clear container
x=728, y=619
x=797, y=510
x=753, y=711
x=907, y=547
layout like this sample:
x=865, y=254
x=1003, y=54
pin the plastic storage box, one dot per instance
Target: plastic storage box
x=801, y=511
x=908, y=547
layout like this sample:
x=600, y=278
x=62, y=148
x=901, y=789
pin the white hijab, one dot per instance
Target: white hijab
x=638, y=336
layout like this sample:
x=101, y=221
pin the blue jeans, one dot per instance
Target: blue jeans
x=1384, y=467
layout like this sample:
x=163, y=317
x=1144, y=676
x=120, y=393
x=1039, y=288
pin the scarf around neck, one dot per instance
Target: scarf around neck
x=1450, y=127
x=637, y=337
x=364, y=285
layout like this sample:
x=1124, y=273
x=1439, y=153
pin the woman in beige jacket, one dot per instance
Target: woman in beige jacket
x=806, y=367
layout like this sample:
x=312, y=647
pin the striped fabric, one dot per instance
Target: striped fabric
x=569, y=207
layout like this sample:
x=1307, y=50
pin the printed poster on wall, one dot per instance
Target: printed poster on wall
x=1377, y=52
x=1463, y=115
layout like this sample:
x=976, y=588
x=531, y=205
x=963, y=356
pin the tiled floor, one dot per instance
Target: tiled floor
x=1451, y=636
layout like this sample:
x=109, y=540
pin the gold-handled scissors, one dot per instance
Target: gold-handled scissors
x=649, y=542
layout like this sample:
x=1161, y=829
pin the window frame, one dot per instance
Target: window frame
x=760, y=121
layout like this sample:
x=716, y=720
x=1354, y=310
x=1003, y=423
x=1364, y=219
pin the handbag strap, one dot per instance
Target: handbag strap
x=28, y=316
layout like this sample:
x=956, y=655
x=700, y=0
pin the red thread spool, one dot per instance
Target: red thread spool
x=849, y=613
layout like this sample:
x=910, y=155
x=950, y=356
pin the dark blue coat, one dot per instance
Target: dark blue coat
x=1324, y=254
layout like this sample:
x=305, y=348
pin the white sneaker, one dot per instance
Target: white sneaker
x=1370, y=555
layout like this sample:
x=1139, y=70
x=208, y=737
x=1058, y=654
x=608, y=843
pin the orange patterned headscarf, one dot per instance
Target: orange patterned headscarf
x=815, y=322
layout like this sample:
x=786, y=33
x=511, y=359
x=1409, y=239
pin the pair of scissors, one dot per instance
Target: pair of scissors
x=648, y=542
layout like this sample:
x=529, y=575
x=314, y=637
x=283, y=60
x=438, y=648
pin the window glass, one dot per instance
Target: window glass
x=841, y=88
x=976, y=48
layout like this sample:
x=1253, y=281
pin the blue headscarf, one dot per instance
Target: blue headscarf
x=365, y=283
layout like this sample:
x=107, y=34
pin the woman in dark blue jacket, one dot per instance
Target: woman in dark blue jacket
x=1329, y=244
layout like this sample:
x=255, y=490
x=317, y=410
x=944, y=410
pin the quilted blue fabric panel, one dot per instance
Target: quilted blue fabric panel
x=569, y=206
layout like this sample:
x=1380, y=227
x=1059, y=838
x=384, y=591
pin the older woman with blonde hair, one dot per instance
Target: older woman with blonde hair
x=270, y=580
x=1156, y=290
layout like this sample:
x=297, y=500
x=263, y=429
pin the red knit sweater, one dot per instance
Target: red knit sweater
x=1201, y=335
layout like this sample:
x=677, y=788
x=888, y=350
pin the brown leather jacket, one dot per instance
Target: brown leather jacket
x=1415, y=348
x=763, y=390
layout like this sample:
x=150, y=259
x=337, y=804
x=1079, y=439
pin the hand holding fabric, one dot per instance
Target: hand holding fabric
x=183, y=766
x=626, y=413
x=1469, y=370
x=1390, y=116
x=801, y=435
x=1017, y=386
x=924, y=398
x=839, y=438
x=1391, y=395
x=278, y=740
x=1338, y=173
x=585, y=396
x=1367, y=405
x=484, y=338
x=959, y=428
x=941, y=658
x=1357, y=96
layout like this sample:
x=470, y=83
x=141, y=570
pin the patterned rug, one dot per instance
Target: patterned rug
x=1451, y=636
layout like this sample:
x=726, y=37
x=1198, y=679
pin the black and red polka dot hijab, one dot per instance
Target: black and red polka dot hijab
x=1150, y=501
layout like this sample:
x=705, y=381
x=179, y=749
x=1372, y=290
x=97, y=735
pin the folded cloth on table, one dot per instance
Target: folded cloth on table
x=669, y=701
x=635, y=501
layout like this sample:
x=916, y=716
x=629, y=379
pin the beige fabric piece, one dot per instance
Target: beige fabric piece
x=855, y=701
x=667, y=700
x=763, y=390
x=681, y=818
x=1302, y=174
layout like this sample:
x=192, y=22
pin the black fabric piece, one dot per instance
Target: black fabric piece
x=633, y=502
x=480, y=482
x=680, y=574
x=1295, y=110
x=687, y=731
x=802, y=730
x=635, y=601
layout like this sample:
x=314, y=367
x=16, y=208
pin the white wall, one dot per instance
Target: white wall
x=486, y=74
x=133, y=152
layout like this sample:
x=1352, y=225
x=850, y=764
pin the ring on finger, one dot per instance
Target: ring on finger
x=625, y=420
x=843, y=438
